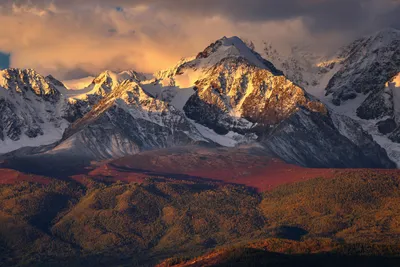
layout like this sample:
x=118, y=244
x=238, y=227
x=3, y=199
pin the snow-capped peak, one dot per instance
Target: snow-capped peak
x=387, y=34
x=232, y=47
x=224, y=48
x=21, y=80
x=31, y=109
x=54, y=81
x=118, y=77
x=107, y=81
x=369, y=43
x=366, y=65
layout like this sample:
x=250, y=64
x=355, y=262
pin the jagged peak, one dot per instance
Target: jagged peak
x=103, y=75
x=50, y=79
x=118, y=77
x=218, y=51
x=13, y=72
x=383, y=36
x=107, y=81
x=20, y=80
x=231, y=47
x=234, y=41
x=30, y=76
x=387, y=31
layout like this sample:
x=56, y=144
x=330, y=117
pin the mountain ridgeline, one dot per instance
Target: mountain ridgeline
x=227, y=95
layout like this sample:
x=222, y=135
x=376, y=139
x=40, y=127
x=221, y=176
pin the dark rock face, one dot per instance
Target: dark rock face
x=312, y=139
x=78, y=108
x=34, y=132
x=210, y=49
x=208, y=115
x=377, y=105
x=353, y=131
x=15, y=122
x=51, y=80
x=10, y=124
x=386, y=126
x=395, y=135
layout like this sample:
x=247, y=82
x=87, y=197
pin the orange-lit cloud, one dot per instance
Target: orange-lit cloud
x=73, y=38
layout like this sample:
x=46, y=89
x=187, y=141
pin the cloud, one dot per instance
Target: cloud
x=324, y=13
x=75, y=37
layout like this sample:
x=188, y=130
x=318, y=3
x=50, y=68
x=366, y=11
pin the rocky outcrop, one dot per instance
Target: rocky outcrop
x=386, y=126
x=366, y=66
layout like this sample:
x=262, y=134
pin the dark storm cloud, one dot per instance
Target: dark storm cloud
x=319, y=14
x=390, y=18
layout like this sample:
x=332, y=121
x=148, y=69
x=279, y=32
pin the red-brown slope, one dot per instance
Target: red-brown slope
x=8, y=176
x=245, y=166
x=238, y=166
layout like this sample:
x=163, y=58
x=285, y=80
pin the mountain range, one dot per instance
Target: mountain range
x=227, y=95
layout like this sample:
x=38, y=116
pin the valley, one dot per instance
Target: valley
x=350, y=216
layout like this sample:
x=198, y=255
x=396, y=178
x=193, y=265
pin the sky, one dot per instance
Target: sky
x=77, y=38
x=4, y=61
